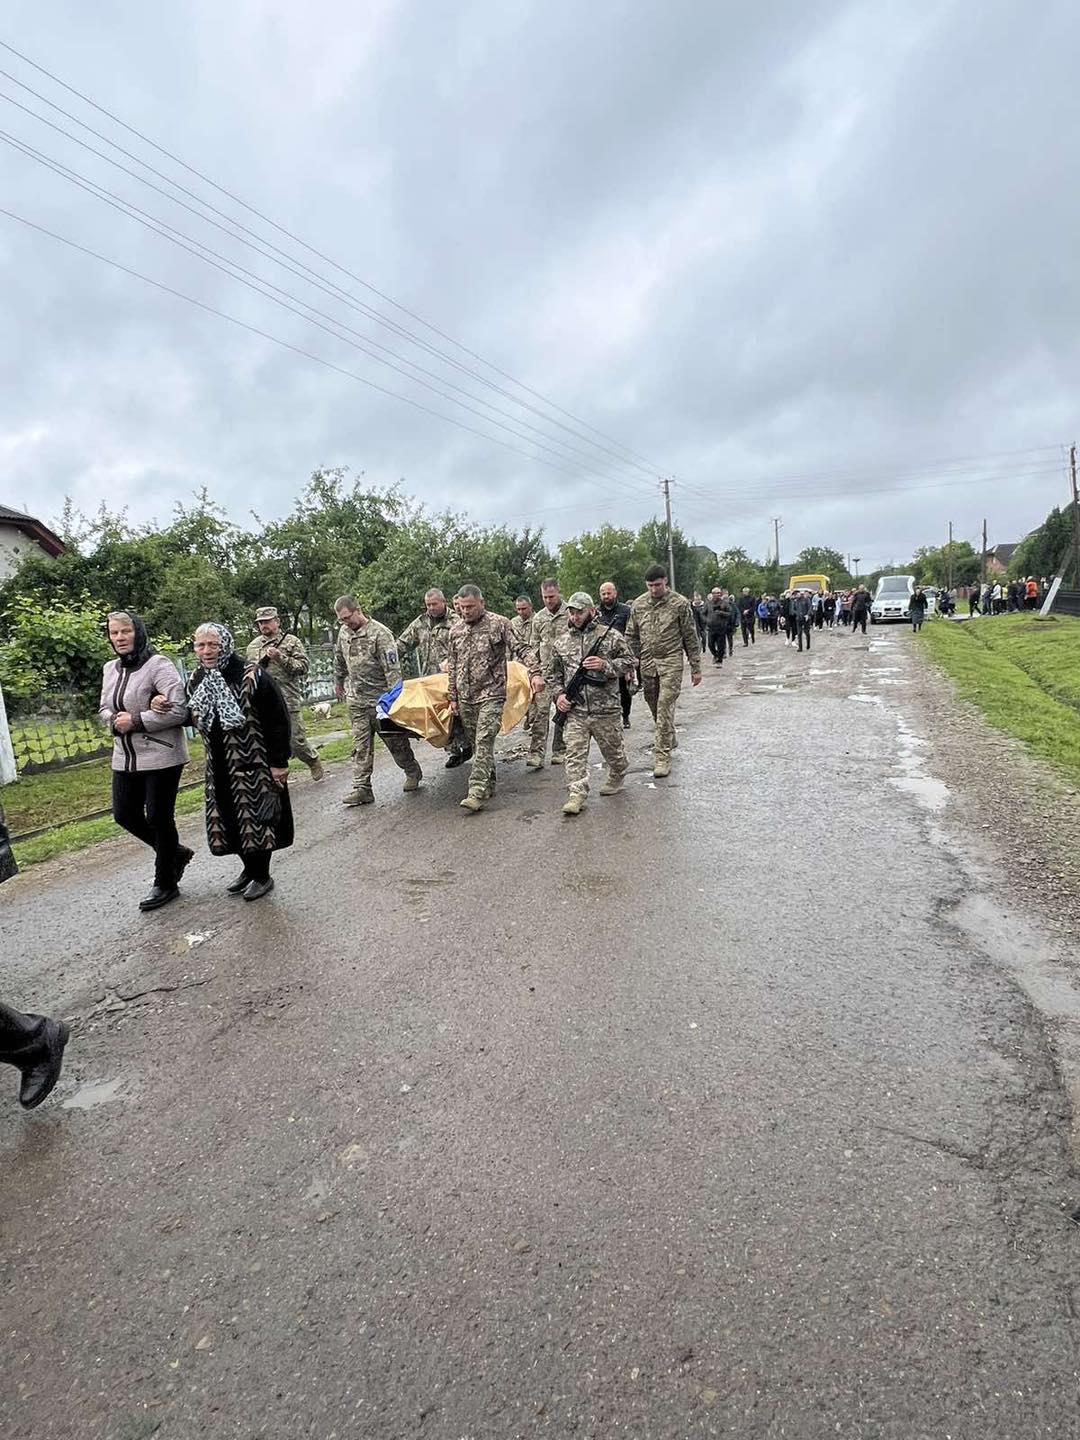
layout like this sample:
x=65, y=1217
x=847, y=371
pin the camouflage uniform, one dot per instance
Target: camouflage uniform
x=366, y=663
x=429, y=638
x=288, y=669
x=597, y=712
x=547, y=626
x=659, y=632
x=476, y=683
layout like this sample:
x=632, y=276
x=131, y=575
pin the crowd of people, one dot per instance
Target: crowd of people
x=721, y=615
x=1006, y=597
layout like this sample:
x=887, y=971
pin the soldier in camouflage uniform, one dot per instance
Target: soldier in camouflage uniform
x=548, y=624
x=366, y=665
x=429, y=636
x=480, y=646
x=596, y=713
x=283, y=657
x=660, y=631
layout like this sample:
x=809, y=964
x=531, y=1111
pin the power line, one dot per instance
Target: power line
x=639, y=461
x=276, y=340
x=256, y=283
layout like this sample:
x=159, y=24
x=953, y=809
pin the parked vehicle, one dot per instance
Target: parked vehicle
x=816, y=584
x=892, y=599
x=931, y=593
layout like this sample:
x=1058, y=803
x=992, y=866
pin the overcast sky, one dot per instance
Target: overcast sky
x=797, y=255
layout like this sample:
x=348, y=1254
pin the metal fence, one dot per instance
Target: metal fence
x=59, y=728
x=1066, y=602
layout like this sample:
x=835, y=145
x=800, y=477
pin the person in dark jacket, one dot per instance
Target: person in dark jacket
x=614, y=613
x=860, y=608
x=244, y=721
x=34, y=1044
x=747, y=607
x=717, y=620
x=800, y=618
x=149, y=749
x=917, y=609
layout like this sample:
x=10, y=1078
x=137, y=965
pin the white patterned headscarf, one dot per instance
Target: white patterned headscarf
x=213, y=698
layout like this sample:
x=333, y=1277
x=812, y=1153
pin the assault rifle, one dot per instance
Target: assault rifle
x=580, y=678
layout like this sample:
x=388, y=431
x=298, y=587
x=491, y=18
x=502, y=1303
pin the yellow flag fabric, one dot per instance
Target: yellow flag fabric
x=423, y=708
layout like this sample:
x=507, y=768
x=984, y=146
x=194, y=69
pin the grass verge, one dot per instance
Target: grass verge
x=55, y=798
x=1023, y=674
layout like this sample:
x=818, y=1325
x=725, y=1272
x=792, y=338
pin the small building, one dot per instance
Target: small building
x=22, y=535
x=998, y=557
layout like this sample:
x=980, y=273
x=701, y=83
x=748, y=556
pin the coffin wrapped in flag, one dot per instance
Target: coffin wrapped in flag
x=420, y=707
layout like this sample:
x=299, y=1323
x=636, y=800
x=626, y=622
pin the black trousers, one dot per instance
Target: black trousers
x=625, y=698
x=144, y=803
x=717, y=645
x=858, y=618
x=747, y=627
x=20, y=1037
x=802, y=630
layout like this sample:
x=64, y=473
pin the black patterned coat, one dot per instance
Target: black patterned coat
x=239, y=785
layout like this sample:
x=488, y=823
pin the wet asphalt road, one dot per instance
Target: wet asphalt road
x=702, y=1114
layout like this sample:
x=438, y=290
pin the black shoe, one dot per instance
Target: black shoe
x=258, y=888
x=40, y=1078
x=184, y=857
x=626, y=724
x=242, y=881
x=159, y=895
x=458, y=757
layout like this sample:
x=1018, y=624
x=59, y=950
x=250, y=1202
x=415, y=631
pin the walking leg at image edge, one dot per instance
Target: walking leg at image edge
x=34, y=1044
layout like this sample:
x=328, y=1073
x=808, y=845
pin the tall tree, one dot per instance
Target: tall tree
x=606, y=554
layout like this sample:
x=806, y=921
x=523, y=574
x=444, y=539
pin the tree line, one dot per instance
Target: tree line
x=343, y=536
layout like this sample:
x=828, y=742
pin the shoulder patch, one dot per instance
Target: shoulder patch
x=391, y=656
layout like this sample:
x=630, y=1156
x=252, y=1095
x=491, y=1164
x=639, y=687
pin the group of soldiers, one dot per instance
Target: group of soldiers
x=584, y=661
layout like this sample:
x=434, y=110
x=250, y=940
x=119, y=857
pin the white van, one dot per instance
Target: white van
x=892, y=599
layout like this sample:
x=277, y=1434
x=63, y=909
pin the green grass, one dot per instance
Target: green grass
x=1023, y=674
x=57, y=798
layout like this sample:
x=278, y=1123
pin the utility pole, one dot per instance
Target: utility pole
x=665, y=485
x=776, y=532
x=1076, y=518
x=855, y=573
x=983, y=577
x=948, y=562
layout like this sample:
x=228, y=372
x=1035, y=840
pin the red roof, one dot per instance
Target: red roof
x=49, y=542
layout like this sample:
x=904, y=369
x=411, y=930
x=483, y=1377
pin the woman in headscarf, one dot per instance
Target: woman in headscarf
x=143, y=705
x=244, y=721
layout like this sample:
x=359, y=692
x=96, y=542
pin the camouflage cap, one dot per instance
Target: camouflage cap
x=580, y=601
x=267, y=612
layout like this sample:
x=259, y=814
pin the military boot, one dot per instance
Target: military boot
x=317, y=771
x=472, y=803
x=362, y=795
x=412, y=782
x=574, y=805
x=534, y=762
x=612, y=784
x=661, y=767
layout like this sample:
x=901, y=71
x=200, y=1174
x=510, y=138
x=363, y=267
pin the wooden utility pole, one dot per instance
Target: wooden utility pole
x=983, y=580
x=665, y=484
x=1076, y=517
x=776, y=533
x=948, y=562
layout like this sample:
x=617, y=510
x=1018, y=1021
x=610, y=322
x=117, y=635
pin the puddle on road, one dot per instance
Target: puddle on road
x=867, y=699
x=931, y=794
x=90, y=1096
x=825, y=672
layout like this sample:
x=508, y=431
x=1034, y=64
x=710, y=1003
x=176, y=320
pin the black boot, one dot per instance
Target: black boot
x=258, y=888
x=159, y=895
x=40, y=1077
x=242, y=881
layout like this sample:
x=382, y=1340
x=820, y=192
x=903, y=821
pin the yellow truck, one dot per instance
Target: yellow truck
x=815, y=583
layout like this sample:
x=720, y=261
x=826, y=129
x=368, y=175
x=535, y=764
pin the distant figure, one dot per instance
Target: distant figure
x=860, y=608
x=917, y=609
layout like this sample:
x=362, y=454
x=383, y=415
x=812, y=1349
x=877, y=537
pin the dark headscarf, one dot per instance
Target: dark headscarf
x=142, y=649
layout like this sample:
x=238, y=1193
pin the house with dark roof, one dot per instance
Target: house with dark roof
x=21, y=535
x=998, y=557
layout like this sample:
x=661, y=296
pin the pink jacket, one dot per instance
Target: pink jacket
x=157, y=741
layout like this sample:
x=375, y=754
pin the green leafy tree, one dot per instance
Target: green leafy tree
x=1042, y=552
x=820, y=560
x=52, y=647
x=193, y=590
x=735, y=569
x=609, y=553
x=688, y=564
